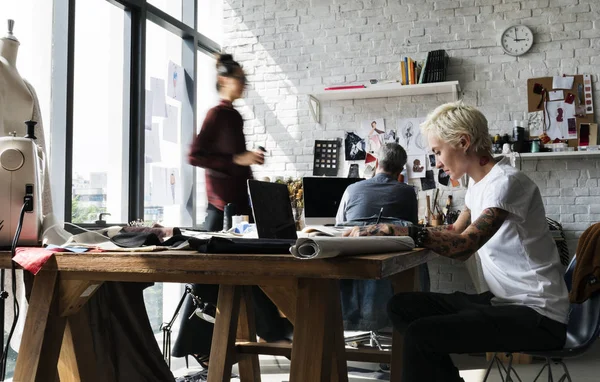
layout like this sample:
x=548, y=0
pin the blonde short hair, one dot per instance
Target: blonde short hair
x=450, y=121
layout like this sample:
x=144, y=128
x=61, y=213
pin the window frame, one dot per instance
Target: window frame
x=138, y=13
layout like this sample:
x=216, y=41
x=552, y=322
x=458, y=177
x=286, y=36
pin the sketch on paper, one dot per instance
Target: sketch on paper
x=428, y=182
x=558, y=113
x=374, y=132
x=536, y=123
x=415, y=166
x=390, y=136
x=354, y=147
x=410, y=137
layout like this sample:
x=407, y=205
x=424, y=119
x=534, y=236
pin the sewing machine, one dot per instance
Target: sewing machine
x=21, y=164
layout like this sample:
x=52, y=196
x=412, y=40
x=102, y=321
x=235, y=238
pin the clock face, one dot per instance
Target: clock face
x=516, y=40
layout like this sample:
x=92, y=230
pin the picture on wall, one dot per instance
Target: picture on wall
x=415, y=166
x=431, y=161
x=354, y=147
x=428, y=182
x=444, y=180
x=410, y=137
x=374, y=132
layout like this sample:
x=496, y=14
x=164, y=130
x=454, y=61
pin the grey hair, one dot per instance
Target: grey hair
x=392, y=158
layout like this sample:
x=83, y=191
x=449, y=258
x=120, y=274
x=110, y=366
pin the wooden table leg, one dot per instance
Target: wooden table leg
x=340, y=366
x=222, y=353
x=402, y=282
x=312, y=348
x=77, y=361
x=248, y=363
x=43, y=332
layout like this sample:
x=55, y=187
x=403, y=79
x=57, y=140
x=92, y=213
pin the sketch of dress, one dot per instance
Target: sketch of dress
x=410, y=136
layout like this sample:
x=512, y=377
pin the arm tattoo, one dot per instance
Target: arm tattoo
x=461, y=246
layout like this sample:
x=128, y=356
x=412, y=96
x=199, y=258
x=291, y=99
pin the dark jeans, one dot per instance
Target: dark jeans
x=195, y=334
x=435, y=325
x=214, y=219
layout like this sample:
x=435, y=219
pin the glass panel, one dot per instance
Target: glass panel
x=172, y=7
x=208, y=97
x=100, y=123
x=165, y=87
x=210, y=19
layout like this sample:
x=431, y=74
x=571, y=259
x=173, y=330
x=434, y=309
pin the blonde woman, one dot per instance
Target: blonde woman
x=504, y=221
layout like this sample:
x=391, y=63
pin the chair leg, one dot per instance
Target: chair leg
x=511, y=368
x=495, y=361
x=566, y=376
x=541, y=371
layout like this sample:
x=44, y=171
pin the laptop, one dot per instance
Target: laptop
x=272, y=210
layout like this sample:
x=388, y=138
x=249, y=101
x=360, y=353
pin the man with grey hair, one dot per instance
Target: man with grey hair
x=364, y=302
x=365, y=199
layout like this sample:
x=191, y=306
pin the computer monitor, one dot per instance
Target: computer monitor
x=322, y=197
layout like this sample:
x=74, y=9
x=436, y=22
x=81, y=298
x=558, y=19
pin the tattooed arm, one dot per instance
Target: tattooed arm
x=461, y=246
x=463, y=221
x=448, y=243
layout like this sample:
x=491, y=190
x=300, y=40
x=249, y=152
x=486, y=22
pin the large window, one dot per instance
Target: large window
x=100, y=125
x=129, y=107
x=165, y=90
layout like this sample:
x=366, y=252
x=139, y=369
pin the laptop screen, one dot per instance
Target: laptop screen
x=272, y=210
x=322, y=197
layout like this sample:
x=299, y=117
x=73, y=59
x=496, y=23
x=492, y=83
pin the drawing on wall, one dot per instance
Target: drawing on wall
x=410, y=137
x=445, y=180
x=415, y=166
x=354, y=146
x=536, y=123
x=374, y=132
x=390, y=136
x=431, y=161
x=558, y=113
x=428, y=182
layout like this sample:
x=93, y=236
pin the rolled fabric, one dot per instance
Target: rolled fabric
x=320, y=247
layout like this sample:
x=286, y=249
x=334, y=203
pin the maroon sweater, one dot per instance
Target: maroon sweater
x=220, y=138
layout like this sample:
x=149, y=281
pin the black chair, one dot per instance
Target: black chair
x=582, y=330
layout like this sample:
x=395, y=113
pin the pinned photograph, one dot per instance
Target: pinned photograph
x=428, y=182
x=415, y=166
x=410, y=137
x=536, y=123
x=354, y=147
x=374, y=132
x=431, y=161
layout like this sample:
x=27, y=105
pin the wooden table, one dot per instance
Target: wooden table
x=306, y=291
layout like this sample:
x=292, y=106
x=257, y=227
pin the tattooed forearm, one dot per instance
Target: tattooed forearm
x=446, y=227
x=462, y=246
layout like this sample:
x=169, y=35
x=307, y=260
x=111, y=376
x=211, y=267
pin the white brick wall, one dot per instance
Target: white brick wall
x=292, y=47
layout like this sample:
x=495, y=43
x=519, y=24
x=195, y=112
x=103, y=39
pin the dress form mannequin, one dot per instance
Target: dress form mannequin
x=19, y=103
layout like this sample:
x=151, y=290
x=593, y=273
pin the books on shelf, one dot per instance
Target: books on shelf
x=432, y=69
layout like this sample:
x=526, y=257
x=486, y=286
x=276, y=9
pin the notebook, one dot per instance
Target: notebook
x=272, y=210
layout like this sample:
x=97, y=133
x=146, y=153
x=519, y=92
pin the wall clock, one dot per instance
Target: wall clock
x=516, y=40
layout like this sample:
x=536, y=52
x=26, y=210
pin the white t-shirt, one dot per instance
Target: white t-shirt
x=520, y=262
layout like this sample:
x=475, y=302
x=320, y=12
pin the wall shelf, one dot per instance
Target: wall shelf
x=382, y=91
x=556, y=155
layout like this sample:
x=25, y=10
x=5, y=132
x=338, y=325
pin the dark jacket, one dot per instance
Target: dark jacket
x=222, y=137
x=586, y=277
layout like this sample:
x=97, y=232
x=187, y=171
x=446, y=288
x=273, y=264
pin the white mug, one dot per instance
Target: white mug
x=506, y=148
